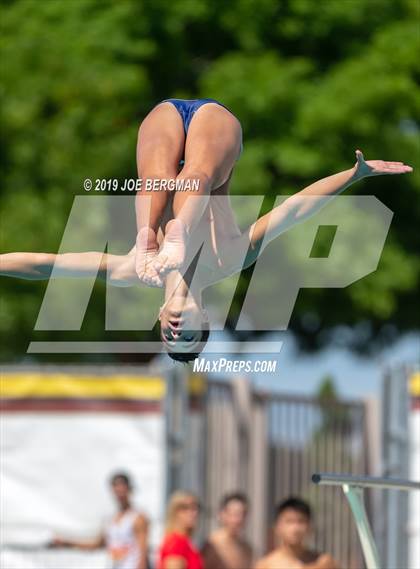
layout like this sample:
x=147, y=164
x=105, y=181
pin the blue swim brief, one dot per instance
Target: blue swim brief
x=187, y=108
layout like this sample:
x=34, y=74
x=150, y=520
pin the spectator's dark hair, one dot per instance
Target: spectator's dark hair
x=121, y=477
x=295, y=504
x=189, y=356
x=233, y=497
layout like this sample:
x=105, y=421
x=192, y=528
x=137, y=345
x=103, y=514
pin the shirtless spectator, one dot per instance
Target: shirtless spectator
x=226, y=548
x=292, y=527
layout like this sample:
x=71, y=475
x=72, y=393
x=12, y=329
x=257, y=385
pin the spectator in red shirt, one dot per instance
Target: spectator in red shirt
x=177, y=550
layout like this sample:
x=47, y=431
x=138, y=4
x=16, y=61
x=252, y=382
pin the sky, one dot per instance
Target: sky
x=354, y=376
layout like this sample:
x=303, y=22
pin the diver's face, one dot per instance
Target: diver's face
x=181, y=324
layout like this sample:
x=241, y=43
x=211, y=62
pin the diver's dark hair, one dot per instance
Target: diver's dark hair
x=295, y=504
x=121, y=477
x=190, y=356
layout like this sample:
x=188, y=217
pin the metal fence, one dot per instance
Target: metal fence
x=306, y=437
x=269, y=446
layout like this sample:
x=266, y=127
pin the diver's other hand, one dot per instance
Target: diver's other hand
x=365, y=168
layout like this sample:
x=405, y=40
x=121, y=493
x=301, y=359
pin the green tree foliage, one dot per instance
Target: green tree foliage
x=310, y=82
x=334, y=414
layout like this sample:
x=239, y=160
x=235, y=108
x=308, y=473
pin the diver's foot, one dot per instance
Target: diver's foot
x=146, y=253
x=172, y=253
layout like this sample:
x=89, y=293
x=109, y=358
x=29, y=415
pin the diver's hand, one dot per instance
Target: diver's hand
x=367, y=168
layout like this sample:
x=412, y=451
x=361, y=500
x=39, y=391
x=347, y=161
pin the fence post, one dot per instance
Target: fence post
x=258, y=487
x=243, y=406
x=176, y=412
x=395, y=414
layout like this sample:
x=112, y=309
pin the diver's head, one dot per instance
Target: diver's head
x=184, y=328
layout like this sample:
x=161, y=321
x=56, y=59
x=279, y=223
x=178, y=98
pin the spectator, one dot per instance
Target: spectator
x=126, y=535
x=226, y=548
x=177, y=550
x=292, y=527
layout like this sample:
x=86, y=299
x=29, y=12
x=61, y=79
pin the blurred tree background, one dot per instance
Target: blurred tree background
x=310, y=82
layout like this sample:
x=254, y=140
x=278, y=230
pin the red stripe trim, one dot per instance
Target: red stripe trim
x=86, y=405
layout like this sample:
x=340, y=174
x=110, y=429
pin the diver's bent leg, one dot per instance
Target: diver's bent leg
x=159, y=149
x=188, y=208
x=211, y=148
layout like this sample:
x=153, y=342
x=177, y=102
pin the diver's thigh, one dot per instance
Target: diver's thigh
x=160, y=142
x=213, y=143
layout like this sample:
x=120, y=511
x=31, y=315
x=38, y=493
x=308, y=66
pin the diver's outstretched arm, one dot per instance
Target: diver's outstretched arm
x=297, y=207
x=118, y=270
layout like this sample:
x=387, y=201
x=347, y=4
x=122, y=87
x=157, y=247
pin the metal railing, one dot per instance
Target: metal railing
x=353, y=488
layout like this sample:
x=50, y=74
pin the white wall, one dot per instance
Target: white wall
x=55, y=468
